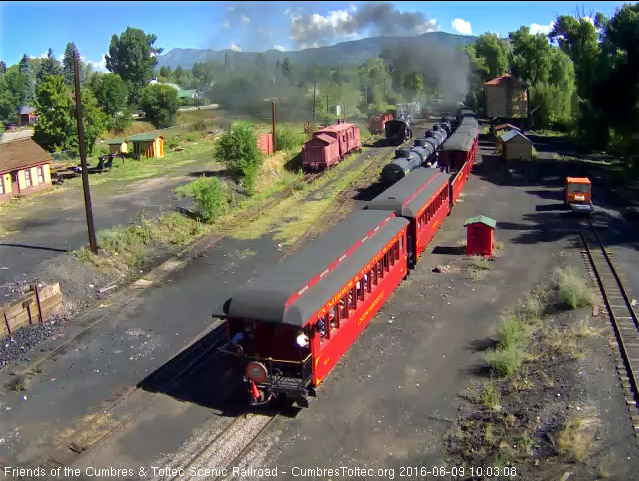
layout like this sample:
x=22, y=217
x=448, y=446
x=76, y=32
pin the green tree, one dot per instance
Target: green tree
x=111, y=94
x=67, y=63
x=95, y=123
x=29, y=88
x=133, y=57
x=3, y=67
x=412, y=84
x=237, y=149
x=494, y=52
x=12, y=91
x=160, y=102
x=530, y=58
x=50, y=66
x=287, y=68
x=209, y=195
x=55, y=126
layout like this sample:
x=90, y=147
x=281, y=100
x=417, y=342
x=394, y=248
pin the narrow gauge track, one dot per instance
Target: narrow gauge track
x=620, y=311
x=224, y=451
x=89, y=434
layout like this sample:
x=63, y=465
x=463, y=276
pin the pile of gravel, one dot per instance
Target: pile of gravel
x=17, y=346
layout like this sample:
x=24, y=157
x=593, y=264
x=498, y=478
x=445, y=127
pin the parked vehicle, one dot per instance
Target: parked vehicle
x=330, y=145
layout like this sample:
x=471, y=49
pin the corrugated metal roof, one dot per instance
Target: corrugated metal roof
x=325, y=138
x=21, y=153
x=268, y=298
x=25, y=109
x=144, y=137
x=481, y=219
x=461, y=141
x=115, y=141
x=511, y=134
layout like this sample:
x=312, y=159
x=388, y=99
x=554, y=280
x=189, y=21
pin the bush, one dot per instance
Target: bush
x=237, y=149
x=505, y=362
x=191, y=137
x=511, y=332
x=160, y=102
x=288, y=139
x=209, y=195
x=171, y=142
x=572, y=289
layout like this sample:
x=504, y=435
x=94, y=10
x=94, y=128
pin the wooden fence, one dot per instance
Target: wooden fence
x=35, y=306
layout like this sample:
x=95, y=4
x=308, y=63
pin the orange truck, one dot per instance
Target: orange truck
x=578, y=194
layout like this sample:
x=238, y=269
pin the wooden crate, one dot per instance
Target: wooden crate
x=24, y=310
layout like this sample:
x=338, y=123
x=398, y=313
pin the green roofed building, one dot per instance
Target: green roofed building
x=187, y=94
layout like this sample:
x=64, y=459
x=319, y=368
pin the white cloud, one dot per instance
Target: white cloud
x=352, y=7
x=462, y=26
x=226, y=24
x=98, y=66
x=245, y=19
x=535, y=28
x=280, y=48
x=589, y=19
x=235, y=48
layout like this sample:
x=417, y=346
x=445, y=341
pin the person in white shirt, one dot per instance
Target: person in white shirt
x=302, y=339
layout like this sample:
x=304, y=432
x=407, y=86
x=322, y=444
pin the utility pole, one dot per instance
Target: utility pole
x=314, y=92
x=384, y=89
x=273, y=113
x=83, y=155
x=327, y=110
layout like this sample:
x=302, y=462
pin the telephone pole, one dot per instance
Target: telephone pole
x=327, y=110
x=83, y=155
x=273, y=112
x=314, y=92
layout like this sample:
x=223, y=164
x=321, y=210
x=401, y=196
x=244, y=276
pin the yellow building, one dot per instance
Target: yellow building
x=118, y=146
x=506, y=98
x=148, y=145
x=24, y=168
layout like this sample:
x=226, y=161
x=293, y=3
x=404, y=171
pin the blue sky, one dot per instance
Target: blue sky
x=33, y=27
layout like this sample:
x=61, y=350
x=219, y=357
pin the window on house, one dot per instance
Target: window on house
x=1, y=185
x=14, y=176
x=27, y=177
x=40, y=175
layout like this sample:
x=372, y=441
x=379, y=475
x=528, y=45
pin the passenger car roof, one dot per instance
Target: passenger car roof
x=290, y=291
x=408, y=195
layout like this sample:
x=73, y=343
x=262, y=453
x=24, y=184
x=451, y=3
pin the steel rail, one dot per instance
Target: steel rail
x=622, y=339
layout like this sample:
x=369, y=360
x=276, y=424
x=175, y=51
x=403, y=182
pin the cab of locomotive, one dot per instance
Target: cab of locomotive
x=271, y=358
x=578, y=190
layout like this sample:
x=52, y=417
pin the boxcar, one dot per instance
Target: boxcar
x=320, y=152
x=376, y=124
x=328, y=291
x=423, y=199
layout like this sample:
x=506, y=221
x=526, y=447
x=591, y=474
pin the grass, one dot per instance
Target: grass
x=508, y=357
x=572, y=289
x=505, y=362
x=486, y=394
x=574, y=439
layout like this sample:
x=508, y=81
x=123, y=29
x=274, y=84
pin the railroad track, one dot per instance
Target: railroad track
x=620, y=311
x=95, y=429
x=226, y=448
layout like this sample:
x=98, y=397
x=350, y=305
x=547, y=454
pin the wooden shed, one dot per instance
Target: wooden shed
x=24, y=168
x=118, y=146
x=148, y=145
x=516, y=146
x=480, y=235
x=506, y=98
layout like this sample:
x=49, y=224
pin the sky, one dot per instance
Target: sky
x=34, y=27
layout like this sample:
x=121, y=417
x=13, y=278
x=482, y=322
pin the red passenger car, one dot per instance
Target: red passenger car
x=323, y=295
x=422, y=197
x=347, y=139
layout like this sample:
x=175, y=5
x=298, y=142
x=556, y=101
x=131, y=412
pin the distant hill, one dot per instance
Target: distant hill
x=348, y=53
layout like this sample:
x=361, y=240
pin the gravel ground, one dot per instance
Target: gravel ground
x=18, y=346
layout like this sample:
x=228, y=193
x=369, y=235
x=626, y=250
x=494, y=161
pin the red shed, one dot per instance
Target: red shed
x=265, y=143
x=480, y=235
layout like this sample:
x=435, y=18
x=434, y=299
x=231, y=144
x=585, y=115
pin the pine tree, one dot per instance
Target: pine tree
x=29, y=91
x=67, y=63
x=49, y=66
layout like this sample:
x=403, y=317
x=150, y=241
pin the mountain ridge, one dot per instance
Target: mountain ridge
x=350, y=52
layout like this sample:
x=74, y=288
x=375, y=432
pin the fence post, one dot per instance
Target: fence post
x=6, y=321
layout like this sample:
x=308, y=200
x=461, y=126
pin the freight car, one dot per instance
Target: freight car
x=376, y=125
x=330, y=145
x=398, y=131
x=288, y=328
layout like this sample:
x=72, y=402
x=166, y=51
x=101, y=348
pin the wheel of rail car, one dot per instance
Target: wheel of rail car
x=256, y=372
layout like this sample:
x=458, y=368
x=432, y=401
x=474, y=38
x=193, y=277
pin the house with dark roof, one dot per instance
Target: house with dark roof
x=24, y=168
x=26, y=115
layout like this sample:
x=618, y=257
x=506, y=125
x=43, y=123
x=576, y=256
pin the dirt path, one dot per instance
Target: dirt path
x=55, y=223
